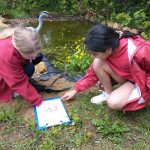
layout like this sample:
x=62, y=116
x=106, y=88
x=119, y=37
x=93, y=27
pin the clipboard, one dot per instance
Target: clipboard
x=50, y=113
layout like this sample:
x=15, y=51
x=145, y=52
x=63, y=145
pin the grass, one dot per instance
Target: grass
x=94, y=127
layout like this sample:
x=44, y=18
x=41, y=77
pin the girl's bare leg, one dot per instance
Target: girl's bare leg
x=105, y=73
x=118, y=98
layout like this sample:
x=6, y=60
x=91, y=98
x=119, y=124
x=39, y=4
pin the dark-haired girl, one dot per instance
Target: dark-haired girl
x=122, y=57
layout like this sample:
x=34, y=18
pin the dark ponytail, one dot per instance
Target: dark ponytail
x=127, y=34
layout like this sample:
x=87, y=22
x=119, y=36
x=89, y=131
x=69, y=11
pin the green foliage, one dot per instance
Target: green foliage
x=132, y=13
x=77, y=60
x=138, y=18
x=18, y=13
x=122, y=18
x=56, y=131
x=47, y=144
x=114, y=129
x=146, y=25
x=74, y=116
x=68, y=6
x=3, y=6
x=9, y=115
x=78, y=139
x=139, y=15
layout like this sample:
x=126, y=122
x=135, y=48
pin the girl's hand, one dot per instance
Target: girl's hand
x=69, y=95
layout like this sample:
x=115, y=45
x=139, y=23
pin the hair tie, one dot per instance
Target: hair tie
x=120, y=33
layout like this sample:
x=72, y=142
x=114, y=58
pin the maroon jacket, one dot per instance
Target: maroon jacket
x=132, y=61
x=12, y=76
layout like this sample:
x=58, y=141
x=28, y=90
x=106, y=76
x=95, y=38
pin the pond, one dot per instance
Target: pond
x=57, y=34
x=58, y=38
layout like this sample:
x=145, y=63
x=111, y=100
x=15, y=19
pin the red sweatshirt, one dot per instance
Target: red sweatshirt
x=12, y=76
x=131, y=61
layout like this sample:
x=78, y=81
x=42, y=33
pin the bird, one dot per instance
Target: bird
x=42, y=14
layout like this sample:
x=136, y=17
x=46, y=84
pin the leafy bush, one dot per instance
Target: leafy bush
x=3, y=6
x=138, y=18
x=129, y=13
x=122, y=18
x=68, y=6
x=146, y=24
x=18, y=13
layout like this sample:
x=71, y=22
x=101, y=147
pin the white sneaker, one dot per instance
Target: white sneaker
x=99, y=99
x=15, y=95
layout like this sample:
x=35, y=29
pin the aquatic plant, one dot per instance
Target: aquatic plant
x=76, y=60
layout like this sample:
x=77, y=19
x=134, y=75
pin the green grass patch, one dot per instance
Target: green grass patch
x=94, y=126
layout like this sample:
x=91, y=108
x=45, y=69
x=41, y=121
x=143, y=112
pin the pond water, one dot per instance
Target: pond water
x=59, y=33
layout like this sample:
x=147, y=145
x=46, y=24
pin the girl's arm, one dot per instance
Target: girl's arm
x=89, y=80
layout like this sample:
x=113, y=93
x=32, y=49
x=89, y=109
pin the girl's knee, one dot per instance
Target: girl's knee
x=113, y=104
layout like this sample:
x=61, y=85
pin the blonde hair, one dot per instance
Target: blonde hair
x=25, y=39
x=6, y=33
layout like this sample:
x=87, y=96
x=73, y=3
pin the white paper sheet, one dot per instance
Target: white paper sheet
x=51, y=112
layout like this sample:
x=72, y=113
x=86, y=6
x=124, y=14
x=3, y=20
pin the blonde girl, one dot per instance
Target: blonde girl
x=19, y=52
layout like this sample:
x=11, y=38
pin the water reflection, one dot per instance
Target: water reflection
x=57, y=34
